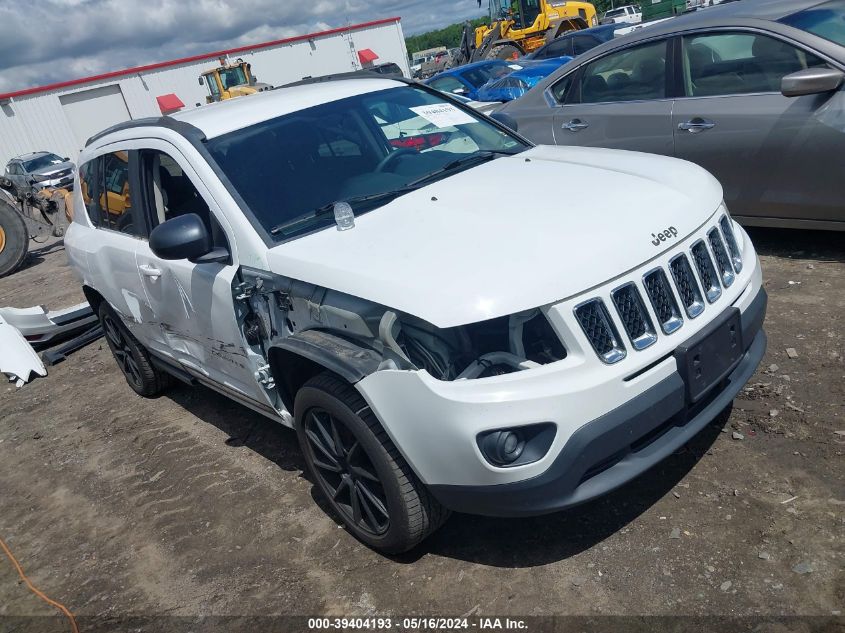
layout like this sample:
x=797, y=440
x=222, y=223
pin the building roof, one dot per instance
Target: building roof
x=194, y=58
x=220, y=118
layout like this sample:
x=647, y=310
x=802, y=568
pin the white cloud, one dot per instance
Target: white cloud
x=55, y=40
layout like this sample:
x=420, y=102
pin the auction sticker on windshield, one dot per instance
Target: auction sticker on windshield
x=443, y=114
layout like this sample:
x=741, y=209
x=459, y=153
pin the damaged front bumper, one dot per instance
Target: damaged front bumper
x=40, y=327
x=587, y=459
x=619, y=446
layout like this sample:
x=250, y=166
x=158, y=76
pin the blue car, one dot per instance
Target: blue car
x=517, y=83
x=466, y=80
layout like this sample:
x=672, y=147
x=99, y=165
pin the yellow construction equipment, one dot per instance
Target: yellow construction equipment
x=518, y=27
x=230, y=80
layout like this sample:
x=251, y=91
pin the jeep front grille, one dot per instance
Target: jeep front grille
x=721, y=255
x=687, y=286
x=635, y=318
x=598, y=326
x=663, y=300
x=713, y=260
x=730, y=240
x=706, y=271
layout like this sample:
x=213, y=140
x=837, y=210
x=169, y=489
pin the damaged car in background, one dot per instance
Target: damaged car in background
x=326, y=254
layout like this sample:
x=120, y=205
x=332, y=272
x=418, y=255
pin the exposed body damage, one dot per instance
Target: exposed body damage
x=355, y=338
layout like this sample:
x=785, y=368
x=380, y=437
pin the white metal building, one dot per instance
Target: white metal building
x=60, y=117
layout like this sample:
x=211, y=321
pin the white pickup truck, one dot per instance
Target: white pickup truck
x=630, y=14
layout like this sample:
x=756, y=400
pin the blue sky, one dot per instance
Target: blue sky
x=42, y=41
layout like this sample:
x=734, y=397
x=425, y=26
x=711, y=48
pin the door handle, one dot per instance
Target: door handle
x=575, y=125
x=149, y=271
x=696, y=125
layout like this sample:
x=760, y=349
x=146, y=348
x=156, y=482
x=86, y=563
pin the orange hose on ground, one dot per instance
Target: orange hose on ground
x=35, y=590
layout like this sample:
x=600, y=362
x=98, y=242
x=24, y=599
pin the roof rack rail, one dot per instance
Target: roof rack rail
x=355, y=74
x=180, y=127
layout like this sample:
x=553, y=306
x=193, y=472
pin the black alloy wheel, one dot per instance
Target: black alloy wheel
x=347, y=472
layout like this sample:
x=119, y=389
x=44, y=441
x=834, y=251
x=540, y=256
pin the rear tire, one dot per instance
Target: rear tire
x=131, y=357
x=504, y=51
x=14, y=239
x=365, y=479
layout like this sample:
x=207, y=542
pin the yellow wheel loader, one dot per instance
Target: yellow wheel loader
x=228, y=81
x=518, y=27
x=40, y=214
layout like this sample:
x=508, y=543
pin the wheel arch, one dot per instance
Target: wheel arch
x=93, y=297
x=298, y=358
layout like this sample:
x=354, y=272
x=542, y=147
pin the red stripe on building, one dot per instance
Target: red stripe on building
x=194, y=58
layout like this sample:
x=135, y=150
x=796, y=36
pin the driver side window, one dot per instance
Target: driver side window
x=170, y=193
x=633, y=74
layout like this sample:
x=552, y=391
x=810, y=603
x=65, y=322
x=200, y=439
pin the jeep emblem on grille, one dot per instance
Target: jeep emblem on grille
x=664, y=235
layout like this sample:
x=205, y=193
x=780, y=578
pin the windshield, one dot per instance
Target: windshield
x=826, y=20
x=288, y=168
x=232, y=77
x=47, y=160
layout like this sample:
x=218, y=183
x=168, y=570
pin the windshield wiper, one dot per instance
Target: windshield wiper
x=327, y=209
x=477, y=157
x=293, y=225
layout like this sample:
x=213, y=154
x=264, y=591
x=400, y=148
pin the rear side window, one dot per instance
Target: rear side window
x=555, y=49
x=583, y=43
x=740, y=63
x=561, y=89
x=89, y=188
x=106, y=192
x=633, y=74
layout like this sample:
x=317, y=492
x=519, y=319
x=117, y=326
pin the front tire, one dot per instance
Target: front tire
x=360, y=472
x=504, y=51
x=131, y=357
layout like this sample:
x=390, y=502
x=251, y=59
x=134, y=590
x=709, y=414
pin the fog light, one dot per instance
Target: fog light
x=503, y=447
x=516, y=446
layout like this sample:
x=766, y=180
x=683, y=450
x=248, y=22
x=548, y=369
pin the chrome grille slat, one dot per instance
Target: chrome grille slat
x=634, y=316
x=706, y=271
x=663, y=300
x=722, y=259
x=730, y=240
x=595, y=320
x=687, y=285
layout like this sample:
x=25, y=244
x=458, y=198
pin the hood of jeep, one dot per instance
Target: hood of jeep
x=509, y=235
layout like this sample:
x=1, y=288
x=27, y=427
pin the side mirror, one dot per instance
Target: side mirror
x=202, y=82
x=66, y=159
x=185, y=237
x=505, y=119
x=811, y=81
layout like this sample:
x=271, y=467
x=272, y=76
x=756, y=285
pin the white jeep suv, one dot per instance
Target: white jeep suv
x=397, y=278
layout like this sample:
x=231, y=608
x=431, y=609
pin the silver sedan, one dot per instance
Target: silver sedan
x=750, y=90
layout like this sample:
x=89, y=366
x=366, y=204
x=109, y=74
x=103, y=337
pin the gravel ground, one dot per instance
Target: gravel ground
x=191, y=505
